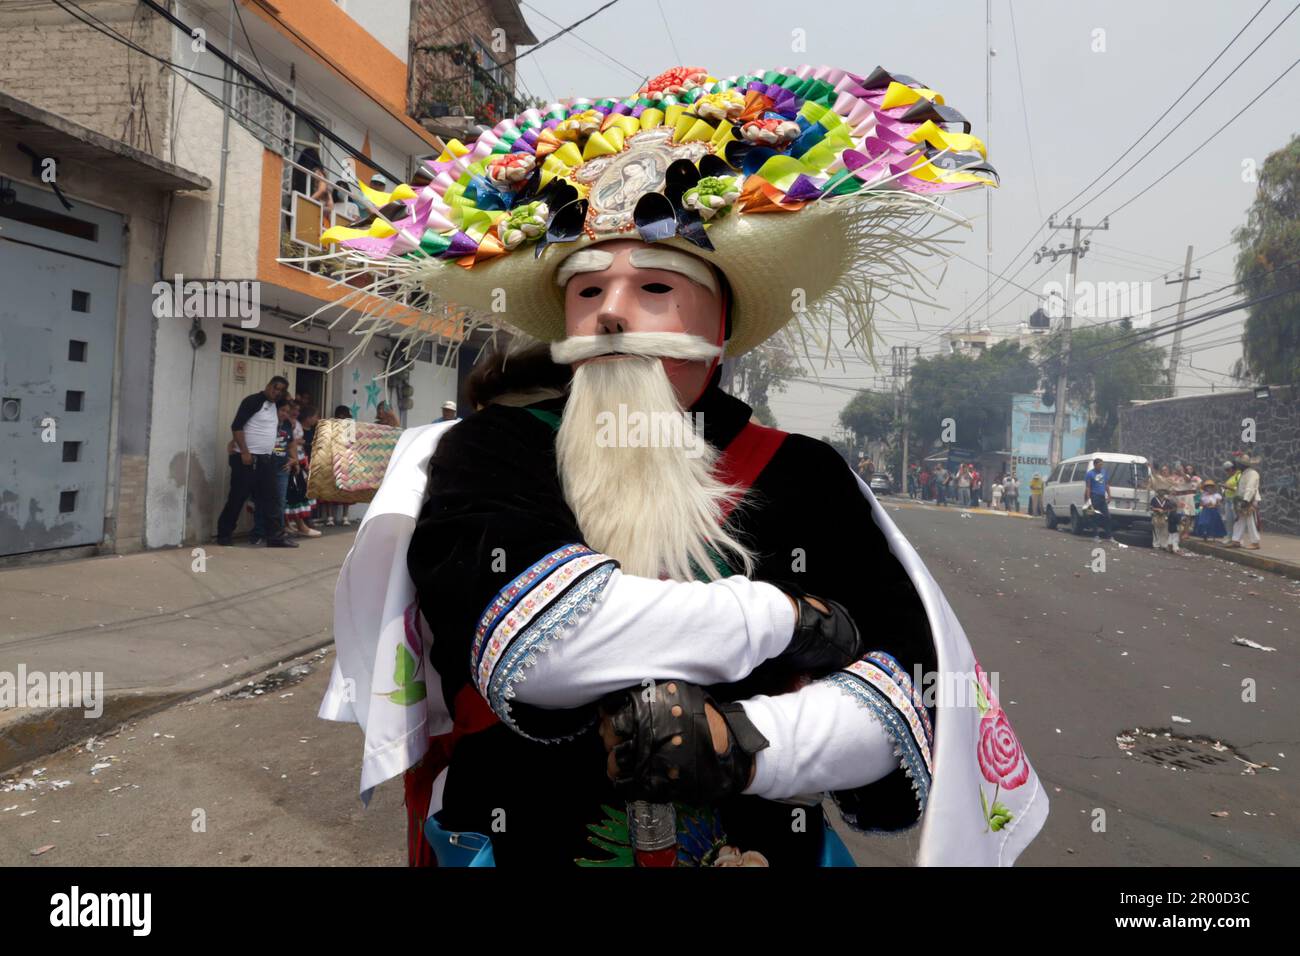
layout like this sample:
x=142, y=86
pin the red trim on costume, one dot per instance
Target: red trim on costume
x=471, y=714
x=745, y=458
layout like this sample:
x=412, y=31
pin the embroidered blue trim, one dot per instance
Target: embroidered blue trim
x=904, y=680
x=895, y=724
x=536, y=638
x=514, y=592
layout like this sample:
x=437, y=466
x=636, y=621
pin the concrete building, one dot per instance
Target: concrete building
x=171, y=161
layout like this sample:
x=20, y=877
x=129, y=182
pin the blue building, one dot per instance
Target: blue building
x=1031, y=437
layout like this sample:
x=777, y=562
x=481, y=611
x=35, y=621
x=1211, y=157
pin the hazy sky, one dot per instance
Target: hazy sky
x=1082, y=108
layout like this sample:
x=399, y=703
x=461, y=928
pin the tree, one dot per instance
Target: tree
x=1268, y=262
x=1107, y=370
x=974, y=392
x=870, y=416
x=755, y=375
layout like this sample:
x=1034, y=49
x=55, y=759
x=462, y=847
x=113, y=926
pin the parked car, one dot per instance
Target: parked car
x=881, y=484
x=1129, y=478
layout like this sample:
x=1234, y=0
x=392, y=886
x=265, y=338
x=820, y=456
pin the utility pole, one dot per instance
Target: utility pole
x=989, y=54
x=1176, y=353
x=1076, y=251
x=902, y=376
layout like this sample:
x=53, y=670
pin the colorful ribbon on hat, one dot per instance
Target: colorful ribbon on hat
x=789, y=137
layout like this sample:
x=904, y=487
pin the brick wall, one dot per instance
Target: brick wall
x=56, y=62
x=129, y=527
x=1203, y=429
x=430, y=19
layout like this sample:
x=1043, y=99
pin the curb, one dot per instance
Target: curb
x=41, y=733
x=1252, y=559
x=909, y=503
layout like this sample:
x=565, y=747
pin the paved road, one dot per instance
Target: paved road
x=1083, y=658
x=1087, y=656
x=275, y=787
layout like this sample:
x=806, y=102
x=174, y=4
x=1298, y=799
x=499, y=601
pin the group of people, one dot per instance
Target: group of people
x=1183, y=502
x=269, y=454
x=967, y=486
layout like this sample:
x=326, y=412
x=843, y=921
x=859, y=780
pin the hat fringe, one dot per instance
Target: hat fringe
x=883, y=232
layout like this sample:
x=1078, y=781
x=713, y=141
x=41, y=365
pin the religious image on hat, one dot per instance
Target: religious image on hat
x=813, y=190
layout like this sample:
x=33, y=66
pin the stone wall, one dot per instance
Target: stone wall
x=1203, y=429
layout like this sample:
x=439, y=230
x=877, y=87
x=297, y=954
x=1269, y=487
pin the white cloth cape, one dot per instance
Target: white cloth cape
x=374, y=592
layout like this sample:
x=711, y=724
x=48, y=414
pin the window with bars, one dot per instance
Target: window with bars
x=318, y=359
x=1041, y=421
x=247, y=345
x=295, y=354
x=268, y=120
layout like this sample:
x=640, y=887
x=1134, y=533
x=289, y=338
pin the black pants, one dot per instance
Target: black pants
x=1100, y=506
x=258, y=482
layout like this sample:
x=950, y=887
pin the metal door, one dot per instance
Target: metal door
x=58, y=325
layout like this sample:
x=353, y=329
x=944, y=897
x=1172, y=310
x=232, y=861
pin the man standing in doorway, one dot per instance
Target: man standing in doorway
x=253, y=465
x=1096, y=489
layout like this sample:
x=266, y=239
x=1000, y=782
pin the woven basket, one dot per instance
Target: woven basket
x=348, y=459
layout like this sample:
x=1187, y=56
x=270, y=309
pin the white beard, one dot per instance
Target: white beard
x=657, y=510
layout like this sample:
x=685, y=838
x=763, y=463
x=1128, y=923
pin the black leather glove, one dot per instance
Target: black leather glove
x=822, y=642
x=667, y=751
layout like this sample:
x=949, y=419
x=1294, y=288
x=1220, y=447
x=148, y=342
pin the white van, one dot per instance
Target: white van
x=1130, y=494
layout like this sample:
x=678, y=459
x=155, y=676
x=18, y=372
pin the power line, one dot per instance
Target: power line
x=1168, y=109
x=324, y=131
x=669, y=30
x=99, y=26
x=532, y=50
x=1235, y=116
x=249, y=40
x=617, y=63
x=1148, y=129
x=1024, y=107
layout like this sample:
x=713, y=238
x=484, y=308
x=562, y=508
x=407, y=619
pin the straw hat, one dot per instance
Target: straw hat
x=809, y=188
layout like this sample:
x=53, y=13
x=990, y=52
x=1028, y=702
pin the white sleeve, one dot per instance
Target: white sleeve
x=819, y=740
x=643, y=629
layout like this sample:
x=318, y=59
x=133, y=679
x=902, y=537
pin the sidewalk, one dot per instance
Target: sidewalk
x=160, y=626
x=1279, y=553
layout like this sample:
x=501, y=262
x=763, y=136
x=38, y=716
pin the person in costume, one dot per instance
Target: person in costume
x=627, y=611
x=1209, y=522
x=1246, y=503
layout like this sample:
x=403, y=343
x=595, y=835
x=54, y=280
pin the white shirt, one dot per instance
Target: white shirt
x=259, y=430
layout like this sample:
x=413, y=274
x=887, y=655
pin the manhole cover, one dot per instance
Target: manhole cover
x=1164, y=748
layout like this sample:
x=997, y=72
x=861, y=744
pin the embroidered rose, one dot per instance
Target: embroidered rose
x=1001, y=758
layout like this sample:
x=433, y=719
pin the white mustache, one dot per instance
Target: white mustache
x=675, y=345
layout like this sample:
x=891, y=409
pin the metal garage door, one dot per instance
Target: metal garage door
x=58, y=325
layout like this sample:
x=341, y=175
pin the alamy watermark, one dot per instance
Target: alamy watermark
x=1100, y=300
x=210, y=299
x=638, y=429
x=84, y=689
x=954, y=688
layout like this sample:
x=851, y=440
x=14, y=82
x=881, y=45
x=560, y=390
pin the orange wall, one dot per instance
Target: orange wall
x=343, y=42
x=288, y=277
